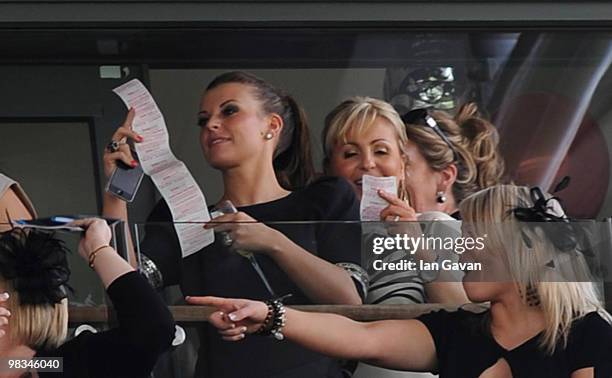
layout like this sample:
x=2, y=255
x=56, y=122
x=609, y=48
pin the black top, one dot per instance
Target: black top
x=145, y=330
x=465, y=347
x=217, y=271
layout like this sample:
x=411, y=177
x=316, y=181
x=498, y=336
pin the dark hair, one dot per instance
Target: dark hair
x=292, y=157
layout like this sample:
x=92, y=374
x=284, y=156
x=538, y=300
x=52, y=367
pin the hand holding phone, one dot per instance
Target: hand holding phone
x=125, y=181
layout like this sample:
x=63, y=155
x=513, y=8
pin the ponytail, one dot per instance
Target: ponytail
x=481, y=142
x=293, y=157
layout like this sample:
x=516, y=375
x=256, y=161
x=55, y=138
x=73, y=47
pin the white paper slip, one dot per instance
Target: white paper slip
x=371, y=203
x=170, y=175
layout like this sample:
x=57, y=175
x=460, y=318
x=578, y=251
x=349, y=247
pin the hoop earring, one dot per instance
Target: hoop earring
x=440, y=197
x=268, y=135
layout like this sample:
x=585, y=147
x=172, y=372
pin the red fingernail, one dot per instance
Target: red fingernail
x=134, y=163
x=139, y=138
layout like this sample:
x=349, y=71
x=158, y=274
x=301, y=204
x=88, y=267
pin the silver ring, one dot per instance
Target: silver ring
x=113, y=146
x=226, y=239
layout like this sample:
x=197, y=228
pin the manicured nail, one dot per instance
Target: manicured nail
x=134, y=163
x=2, y=333
x=233, y=317
x=4, y=296
x=243, y=329
x=139, y=138
x=242, y=335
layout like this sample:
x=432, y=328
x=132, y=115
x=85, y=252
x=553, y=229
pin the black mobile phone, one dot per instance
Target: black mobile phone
x=125, y=181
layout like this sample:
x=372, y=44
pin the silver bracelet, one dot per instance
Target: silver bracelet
x=358, y=274
x=151, y=272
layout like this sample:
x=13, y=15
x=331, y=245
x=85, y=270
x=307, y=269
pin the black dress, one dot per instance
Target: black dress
x=465, y=348
x=217, y=271
x=145, y=330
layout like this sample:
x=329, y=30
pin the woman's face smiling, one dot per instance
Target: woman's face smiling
x=233, y=125
x=374, y=152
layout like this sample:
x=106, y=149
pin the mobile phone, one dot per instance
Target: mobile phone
x=125, y=181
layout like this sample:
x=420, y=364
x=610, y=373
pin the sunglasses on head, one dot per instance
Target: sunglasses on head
x=421, y=117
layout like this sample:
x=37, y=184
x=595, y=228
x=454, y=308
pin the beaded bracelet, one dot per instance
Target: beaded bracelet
x=275, y=319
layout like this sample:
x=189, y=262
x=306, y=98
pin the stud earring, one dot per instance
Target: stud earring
x=268, y=135
x=440, y=197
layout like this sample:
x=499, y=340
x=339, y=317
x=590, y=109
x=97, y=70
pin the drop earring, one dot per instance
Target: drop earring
x=531, y=297
x=440, y=197
x=268, y=135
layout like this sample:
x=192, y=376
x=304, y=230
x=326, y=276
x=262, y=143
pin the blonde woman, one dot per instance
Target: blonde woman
x=554, y=329
x=34, y=310
x=364, y=135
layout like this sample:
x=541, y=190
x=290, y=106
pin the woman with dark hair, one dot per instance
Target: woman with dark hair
x=257, y=137
x=34, y=310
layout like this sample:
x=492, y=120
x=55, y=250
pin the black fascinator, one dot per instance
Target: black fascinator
x=36, y=264
x=546, y=211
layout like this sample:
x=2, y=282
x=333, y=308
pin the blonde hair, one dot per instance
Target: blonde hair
x=475, y=140
x=358, y=114
x=40, y=326
x=561, y=302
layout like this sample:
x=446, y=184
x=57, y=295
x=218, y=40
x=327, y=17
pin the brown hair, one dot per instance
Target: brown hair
x=293, y=157
x=475, y=140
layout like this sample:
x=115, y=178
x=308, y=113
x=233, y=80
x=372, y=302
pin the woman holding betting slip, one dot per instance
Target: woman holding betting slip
x=257, y=137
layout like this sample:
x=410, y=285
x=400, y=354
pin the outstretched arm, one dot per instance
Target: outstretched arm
x=396, y=344
x=145, y=326
x=95, y=249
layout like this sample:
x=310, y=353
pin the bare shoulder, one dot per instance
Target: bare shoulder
x=12, y=207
